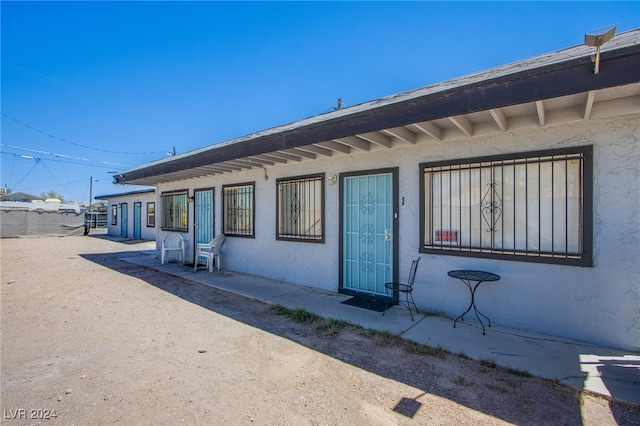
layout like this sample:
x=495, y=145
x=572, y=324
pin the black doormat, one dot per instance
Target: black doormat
x=370, y=303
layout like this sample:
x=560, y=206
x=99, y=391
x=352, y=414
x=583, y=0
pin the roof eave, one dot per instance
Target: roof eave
x=573, y=76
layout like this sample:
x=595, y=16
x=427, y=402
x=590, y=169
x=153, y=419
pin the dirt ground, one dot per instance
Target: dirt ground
x=90, y=339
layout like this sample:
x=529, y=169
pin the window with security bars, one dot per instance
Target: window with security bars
x=534, y=207
x=300, y=204
x=238, y=210
x=175, y=208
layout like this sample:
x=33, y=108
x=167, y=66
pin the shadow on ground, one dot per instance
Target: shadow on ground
x=505, y=395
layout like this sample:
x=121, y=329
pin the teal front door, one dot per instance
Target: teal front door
x=137, y=220
x=368, y=226
x=203, y=216
x=124, y=215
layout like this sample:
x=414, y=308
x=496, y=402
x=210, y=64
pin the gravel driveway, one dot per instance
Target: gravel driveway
x=90, y=339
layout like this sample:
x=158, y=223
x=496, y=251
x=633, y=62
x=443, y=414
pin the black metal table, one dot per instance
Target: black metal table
x=468, y=278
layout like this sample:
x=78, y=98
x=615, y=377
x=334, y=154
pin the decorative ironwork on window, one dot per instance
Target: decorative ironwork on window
x=238, y=210
x=491, y=207
x=534, y=206
x=175, y=208
x=300, y=204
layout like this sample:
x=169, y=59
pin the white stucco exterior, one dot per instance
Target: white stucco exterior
x=148, y=231
x=547, y=103
x=599, y=304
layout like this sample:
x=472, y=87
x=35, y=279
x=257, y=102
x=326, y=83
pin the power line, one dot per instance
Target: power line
x=36, y=74
x=28, y=173
x=77, y=144
x=104, y=165
x=60, y=156
x=54, y=186
x=53, y=176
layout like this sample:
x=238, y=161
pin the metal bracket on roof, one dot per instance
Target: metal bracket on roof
x=597, y=38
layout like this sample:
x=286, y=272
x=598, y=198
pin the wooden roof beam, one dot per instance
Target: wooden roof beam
x=354, y=142
x=402, y=134
x=316, y=150
x=377, y=138
x=334, y=146
x=220, y=167
x=271, y=158
x=588, y=105
x=234, y=164
x=430, y=129
x=255, y=159
x=499, y=118
x=541, y=113
x=211, y=170
x=184, y=175
x=299, y=153
x=462, y=123
x=285, y=156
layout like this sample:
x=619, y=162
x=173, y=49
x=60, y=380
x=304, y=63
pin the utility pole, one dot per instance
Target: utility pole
x=90, y=192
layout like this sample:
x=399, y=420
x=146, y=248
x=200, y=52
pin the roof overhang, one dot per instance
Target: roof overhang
x=535, y=91
x=125, y=194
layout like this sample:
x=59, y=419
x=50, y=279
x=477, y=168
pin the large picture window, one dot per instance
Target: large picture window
x=535, y=207
x=300, y=204
x=238, y=210
x=175, y=208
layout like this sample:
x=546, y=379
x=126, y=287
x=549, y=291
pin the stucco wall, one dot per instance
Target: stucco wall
x=146, y=232
x=599, y=304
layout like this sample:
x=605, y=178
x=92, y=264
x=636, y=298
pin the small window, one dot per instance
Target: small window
x=114, y=214
x=531, y=207
x=175, y=208
x=238, y=210
x=300, y=207
x=151, y=215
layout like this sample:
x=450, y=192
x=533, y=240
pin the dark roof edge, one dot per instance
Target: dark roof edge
x=124, y=194
x=561, y=78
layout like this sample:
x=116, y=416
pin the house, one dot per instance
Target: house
x=131, y=214
x=7, y=195
x=528, y=170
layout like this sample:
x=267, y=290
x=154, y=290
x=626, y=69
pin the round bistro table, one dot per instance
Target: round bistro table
x=472, y=279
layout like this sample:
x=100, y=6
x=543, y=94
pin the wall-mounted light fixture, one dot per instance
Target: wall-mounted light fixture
x=332, y=179
x=191, y=198
x=597, y=38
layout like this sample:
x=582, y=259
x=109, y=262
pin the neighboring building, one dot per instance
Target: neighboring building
x=131, y=214
x=7, y=195
x=97, y=217
x=528, y=170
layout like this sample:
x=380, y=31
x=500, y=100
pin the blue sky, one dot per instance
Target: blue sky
x=90, y=88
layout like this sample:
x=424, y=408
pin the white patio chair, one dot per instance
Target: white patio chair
x=172, y=243
x=210, y=252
